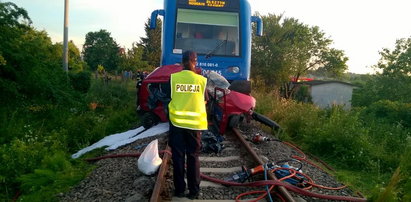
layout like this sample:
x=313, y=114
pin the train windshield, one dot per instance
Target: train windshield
x=207, y=32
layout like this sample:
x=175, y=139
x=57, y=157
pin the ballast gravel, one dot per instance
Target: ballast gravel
x=118, y=179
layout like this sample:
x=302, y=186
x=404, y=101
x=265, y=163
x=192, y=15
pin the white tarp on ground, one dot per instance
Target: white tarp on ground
x=119, y=139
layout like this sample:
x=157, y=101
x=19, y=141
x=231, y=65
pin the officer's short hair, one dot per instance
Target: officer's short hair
x=187, y=56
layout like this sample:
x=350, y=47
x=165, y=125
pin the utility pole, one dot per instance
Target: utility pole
x=65, y=42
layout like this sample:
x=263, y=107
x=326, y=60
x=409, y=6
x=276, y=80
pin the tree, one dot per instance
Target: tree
x=398, y=61
x=292, y=49
x=31, y=68
x=133, y=59
x=152, y=44
x=13, y=16
x=394, y=81
x=101, y=48
x=334, y=64
x=11, y=29
x=75, y=63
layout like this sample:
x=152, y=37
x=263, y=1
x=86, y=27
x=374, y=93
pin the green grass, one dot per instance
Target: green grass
x=38, y=138
x=366, y=150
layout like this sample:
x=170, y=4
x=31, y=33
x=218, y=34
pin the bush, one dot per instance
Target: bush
x=405, y=166
x=36, y=132
x=55, y=173
x=82, y=130
x=366, y=144
x=341, y=136
x=292, y=116
x=390, y=112
x=21, y=157
x=113, y=94
x=303, y=94
x=31, y=69
x=80, y=81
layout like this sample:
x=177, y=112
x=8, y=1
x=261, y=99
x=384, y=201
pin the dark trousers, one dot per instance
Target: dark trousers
x=185, y=142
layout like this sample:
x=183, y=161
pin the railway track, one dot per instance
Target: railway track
x=118, y=179
x=236, y=154
x=240, y=152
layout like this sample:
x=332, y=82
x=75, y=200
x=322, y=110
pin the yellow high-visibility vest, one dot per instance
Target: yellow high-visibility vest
x=187, y=107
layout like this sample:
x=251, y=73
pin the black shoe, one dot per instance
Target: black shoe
x=193, y=196
x=179, y=195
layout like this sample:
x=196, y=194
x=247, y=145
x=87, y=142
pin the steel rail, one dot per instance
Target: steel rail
x=155, y=196
x=283, y=191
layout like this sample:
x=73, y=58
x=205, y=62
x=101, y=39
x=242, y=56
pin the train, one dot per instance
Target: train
x=220, y=31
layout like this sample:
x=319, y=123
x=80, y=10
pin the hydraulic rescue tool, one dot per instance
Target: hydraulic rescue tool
x=257, y=138
x=284, y=171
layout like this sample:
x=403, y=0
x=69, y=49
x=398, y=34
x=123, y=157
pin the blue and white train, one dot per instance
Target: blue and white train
x=218, y=30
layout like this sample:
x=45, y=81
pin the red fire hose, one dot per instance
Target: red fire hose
x=257, y=183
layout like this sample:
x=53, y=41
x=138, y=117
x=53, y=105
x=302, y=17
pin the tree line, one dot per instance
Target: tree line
x=30, y=63
x=288, y=49
x=101, y=49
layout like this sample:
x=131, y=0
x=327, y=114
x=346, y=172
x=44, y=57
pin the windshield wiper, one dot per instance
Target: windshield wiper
x=209, y=54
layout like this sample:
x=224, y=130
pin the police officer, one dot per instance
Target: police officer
x=187, y=114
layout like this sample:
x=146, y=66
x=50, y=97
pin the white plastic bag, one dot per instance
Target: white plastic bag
x=149, y=161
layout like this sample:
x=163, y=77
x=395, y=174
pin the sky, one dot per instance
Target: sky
x=361, y=28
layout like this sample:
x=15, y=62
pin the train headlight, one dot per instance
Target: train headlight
x=234, y=70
